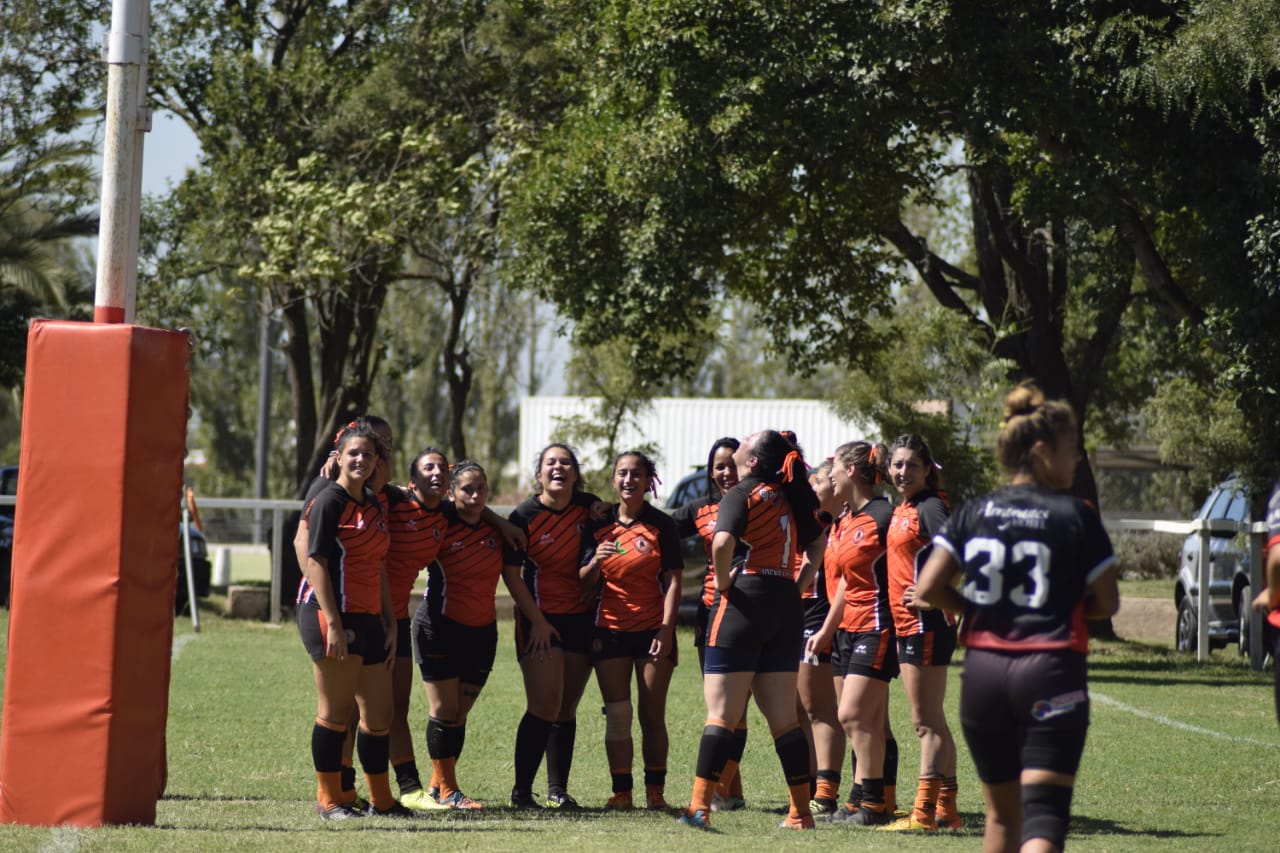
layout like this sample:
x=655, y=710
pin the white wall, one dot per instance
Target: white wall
x=684, y=429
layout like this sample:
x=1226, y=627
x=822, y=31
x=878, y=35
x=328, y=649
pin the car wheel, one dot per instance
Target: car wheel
x=1242, y=619
x=1184, y=638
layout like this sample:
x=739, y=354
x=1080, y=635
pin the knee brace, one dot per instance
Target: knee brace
x=1046, y=810
x=617, y=720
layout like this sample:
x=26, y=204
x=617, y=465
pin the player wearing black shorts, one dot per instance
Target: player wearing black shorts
x=815, y=685
x=347, y=627
x=926, y=639
x=754, y=640
x=1033, y=564
x=698, y=518
x=865, y=656
x=455, y=629
x=555, y=519
x=634, y=558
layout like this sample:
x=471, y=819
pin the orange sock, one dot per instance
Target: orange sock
x=891, y=797
x=380, y=790
x=828, y=789
x=448, y=769
x=799, y=800
x=729, y=779
x=947, y=798
x=703, y=789
x=328, y=789
x=926, y=806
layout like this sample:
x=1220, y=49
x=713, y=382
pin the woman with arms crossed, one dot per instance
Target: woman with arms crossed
x=555, y=519
x=755, y=638
x=347, y=627
x=636, y=563
x=1034, y=564
x=926, y=639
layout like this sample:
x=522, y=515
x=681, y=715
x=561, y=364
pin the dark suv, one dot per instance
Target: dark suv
x=200, y=567
x=1229, y=583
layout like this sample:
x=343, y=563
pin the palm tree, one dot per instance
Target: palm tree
x=44, y=190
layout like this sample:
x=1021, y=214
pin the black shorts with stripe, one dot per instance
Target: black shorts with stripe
x=756, y=626
x=928, y=648
x=873, y=654
x=365, y=637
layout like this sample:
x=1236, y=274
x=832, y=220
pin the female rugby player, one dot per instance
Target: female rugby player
x=636, y=563
x=1034, y=564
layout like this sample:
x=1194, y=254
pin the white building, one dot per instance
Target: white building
x=684, y=429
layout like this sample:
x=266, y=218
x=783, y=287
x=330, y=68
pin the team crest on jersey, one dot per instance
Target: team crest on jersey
x=905, y=524
x=490, y=543
x=546, y=539
x=857, y=536
x=438, y=534
x=643, y=545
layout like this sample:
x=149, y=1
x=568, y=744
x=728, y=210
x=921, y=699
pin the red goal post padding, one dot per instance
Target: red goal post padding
x=95, y=546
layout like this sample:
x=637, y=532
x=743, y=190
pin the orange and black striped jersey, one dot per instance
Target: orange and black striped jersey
x=819, y=590
x=416, y=534
x=556, y=539
x=856, y=552
x=758, y=515
x=631, y=580
x=698, y=518
x=908, y=543
x=351, y=536
x=462, y=581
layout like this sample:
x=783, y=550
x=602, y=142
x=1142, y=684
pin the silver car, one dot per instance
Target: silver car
x=1229, y=588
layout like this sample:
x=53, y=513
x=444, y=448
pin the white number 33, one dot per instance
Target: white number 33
x=992, y=559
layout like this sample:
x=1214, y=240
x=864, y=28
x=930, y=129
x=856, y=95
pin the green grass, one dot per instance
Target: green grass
x=1180, y=756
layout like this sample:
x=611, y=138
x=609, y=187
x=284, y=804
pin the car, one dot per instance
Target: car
x=201, y=568
x=6, y=557
x=688, y=489
x=1230, y=589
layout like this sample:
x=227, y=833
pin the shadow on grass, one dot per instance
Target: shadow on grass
x=1084, y=825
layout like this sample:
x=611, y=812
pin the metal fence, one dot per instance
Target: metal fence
x=1204, y=529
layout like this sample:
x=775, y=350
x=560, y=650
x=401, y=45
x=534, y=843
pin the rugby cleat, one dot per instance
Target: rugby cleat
x=699, y=819
x=801, y=822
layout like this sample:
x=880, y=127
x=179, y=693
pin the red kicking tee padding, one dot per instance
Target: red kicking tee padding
x=95, y=548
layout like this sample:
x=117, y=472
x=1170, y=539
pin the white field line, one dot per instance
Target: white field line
x=62, y=839
x=1186, y=727
x=179, y=644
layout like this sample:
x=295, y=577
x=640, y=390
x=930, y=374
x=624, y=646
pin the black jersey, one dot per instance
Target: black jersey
x=1028, y=556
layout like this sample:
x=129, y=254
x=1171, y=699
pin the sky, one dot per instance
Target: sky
x=167, y=152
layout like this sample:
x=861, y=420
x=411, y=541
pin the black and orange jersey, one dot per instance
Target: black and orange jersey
x=818, y=592
x=351, y=536
x=462, y=581
x=911, y=530
x=1027, y=555
x=550, y=561
x=856, y=552
x=698, y=518
x=758, y=515
x=416, y=534
x=631, y=580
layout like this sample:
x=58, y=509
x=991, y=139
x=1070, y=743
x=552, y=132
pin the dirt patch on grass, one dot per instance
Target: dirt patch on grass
x=1146, y=620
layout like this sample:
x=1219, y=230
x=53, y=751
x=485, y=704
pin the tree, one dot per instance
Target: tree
x=349, y=150
x=768, y=153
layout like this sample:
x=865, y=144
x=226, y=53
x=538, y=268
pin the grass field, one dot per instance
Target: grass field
x=1180, y=756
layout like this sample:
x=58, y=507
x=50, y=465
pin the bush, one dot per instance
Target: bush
x=1146, y=556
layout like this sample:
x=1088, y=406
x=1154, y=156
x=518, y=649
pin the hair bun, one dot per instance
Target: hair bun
x=1025, y=399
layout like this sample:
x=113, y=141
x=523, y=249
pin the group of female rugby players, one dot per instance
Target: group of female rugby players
x=818, y=593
